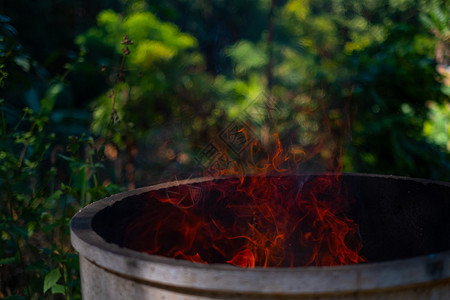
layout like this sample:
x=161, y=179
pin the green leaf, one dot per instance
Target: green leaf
x=49, y=227
x=23, y=62
x=247, y=55
x=8, y=260
x=51, y=279
x=67, y=158
x=30, y=229
x=446, y=90
x=55, y=196
x=113, y=189
x=58, y=288
x=48, y=102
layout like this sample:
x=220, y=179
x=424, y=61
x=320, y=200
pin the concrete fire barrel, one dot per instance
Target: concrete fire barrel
x=408, y=258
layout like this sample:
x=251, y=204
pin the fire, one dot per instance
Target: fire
x=270, y=219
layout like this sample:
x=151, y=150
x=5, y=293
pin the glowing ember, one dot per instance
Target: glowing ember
x=268, y=220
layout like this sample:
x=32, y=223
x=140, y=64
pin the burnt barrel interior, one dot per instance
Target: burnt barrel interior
x=397, y=217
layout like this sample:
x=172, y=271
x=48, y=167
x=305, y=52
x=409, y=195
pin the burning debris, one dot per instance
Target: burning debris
x=266, y=221
x=269, y=219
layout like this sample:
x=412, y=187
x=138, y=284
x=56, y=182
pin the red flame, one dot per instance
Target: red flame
x=272, y=219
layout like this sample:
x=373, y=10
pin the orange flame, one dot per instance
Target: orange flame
x=271, y=219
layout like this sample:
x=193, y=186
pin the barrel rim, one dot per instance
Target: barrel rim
x=220, y=277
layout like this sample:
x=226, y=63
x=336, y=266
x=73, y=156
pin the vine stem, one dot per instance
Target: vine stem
x=116, y=88
x=63, y=254
x=22, y=262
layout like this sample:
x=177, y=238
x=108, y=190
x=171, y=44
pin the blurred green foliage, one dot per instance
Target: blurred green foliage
x=43, y=184
x=83, y=113
x=158, y=58
x=437, y=127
